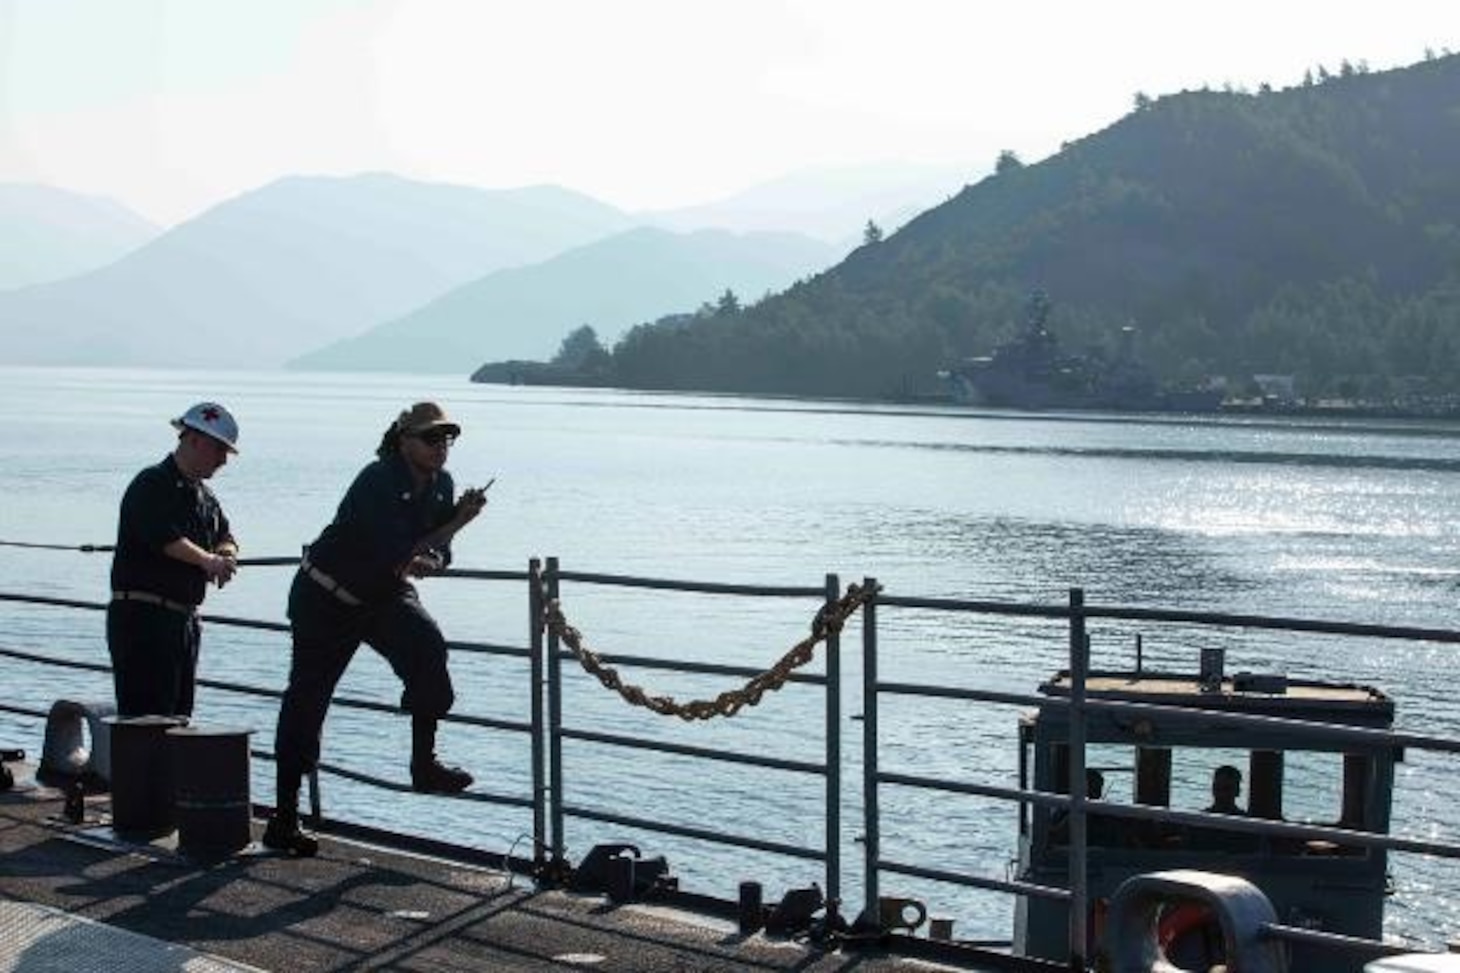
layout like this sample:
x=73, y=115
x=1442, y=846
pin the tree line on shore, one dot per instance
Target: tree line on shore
x=1310, y=231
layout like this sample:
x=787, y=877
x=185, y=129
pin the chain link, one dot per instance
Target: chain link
x=828, y=621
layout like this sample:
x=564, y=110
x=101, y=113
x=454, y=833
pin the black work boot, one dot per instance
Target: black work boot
x=283, y=832
x=431, y=776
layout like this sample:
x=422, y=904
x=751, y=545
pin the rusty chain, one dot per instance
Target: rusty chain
x=828, y=621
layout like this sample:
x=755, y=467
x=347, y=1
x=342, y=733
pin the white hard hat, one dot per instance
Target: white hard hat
x=211, y=419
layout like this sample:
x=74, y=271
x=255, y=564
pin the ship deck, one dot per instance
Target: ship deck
x=79, y=897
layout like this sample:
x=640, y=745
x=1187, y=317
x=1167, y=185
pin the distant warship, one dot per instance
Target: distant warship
x=1031, y=372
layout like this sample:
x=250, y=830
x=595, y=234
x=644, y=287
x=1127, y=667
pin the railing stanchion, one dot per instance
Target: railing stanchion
x=1079, y=669
x=871, y=833
x=315, y=804
x=555, y=725
x=833, y=754
x=539, y=779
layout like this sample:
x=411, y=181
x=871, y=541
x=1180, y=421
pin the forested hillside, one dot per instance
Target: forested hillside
x=1310, y=231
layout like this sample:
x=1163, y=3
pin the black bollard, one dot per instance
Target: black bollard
x=210, y=775
x=752, y=909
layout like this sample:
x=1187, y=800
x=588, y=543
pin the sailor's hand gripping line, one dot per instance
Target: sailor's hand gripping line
x=828, y=622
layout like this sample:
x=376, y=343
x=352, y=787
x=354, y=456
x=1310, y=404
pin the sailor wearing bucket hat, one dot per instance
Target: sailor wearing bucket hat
x=172, y=540
x=395, y=523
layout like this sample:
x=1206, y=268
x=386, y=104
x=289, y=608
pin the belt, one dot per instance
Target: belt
x=329, y=584
x=151, y=599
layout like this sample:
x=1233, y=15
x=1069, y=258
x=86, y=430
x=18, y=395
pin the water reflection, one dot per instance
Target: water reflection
x=1001, y=556
x=1220, y=457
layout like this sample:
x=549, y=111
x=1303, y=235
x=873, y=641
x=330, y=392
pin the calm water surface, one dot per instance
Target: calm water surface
x=1354, y=522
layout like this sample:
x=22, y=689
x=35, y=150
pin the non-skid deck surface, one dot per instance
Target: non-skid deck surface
x=80, y=898
x=40, y=939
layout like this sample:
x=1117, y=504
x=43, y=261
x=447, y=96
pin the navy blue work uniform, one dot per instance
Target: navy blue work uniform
x=152, y=629
x=350, y=589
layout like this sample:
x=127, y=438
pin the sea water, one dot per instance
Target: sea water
x=1352, y=521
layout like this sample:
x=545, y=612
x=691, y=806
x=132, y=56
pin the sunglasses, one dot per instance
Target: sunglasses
x=436, y=437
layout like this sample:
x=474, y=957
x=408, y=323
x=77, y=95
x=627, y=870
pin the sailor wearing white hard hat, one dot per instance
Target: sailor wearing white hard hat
x=210, y=419
x=172, y=540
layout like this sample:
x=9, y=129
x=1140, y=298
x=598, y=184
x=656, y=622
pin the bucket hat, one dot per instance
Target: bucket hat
x=424, y=416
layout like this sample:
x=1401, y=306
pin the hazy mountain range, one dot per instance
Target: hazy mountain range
x=299, y=263
x=47, y=234
x=311, y=267
x=831, y=204
x=611, y=284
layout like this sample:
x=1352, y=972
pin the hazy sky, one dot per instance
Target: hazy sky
x=170, y=106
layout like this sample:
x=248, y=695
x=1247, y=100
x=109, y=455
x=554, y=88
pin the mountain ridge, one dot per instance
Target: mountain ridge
x=610, y=284
x=48, y=234
x=1307, y=231
x=281, y=271
x=297, y=263
x=832, y=203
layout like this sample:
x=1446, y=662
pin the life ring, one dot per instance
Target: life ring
x=1189, y=931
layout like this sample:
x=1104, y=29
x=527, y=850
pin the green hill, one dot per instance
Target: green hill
x=1310, y=231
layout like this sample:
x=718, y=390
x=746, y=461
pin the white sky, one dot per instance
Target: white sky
x=170, y=106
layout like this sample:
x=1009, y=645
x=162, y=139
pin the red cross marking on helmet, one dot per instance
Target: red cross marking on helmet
x=210, y=414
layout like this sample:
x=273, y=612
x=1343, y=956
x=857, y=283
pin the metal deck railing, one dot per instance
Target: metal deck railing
x=549, y=731
x=1076, y=615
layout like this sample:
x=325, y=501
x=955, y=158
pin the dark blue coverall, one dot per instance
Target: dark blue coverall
x=350, y=590
x=152, y=629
